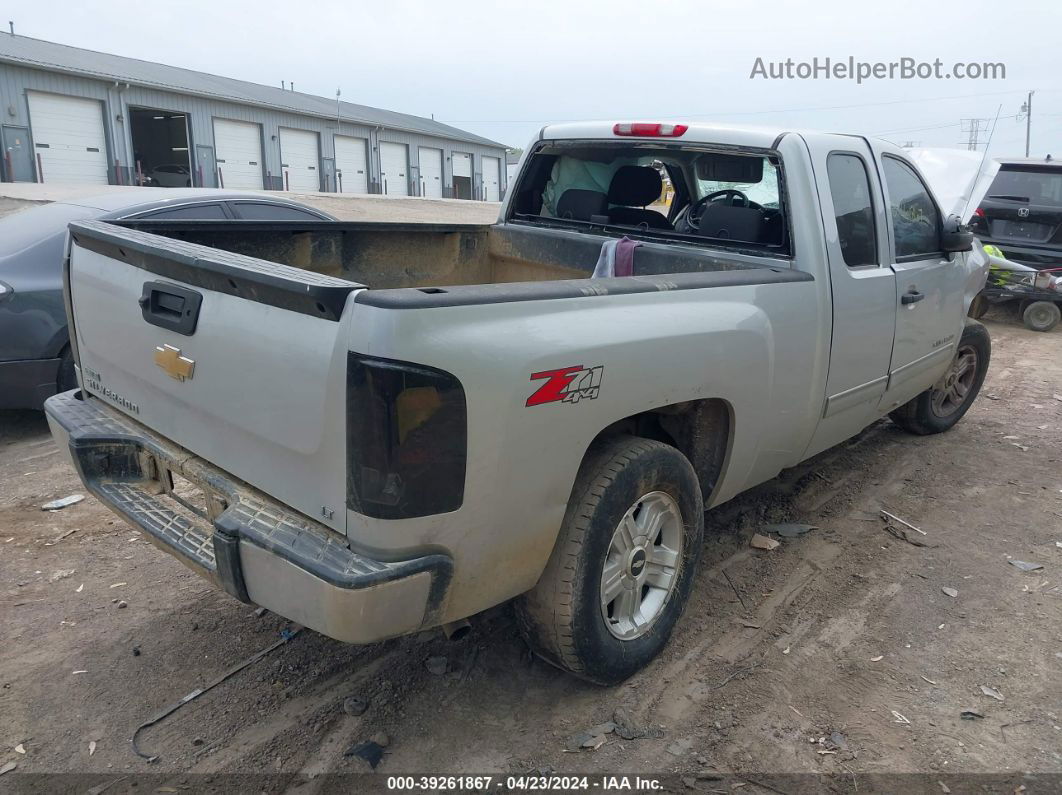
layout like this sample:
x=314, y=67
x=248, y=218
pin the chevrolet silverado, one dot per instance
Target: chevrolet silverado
x=374, y=429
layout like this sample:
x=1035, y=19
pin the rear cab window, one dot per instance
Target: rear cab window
x=853, y=208
x=700, y=195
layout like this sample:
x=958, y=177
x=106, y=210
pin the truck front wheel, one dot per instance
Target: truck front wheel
x=623, y=565
x=944, y=404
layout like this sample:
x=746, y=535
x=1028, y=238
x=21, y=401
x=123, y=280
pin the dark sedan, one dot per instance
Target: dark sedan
x=35, y=359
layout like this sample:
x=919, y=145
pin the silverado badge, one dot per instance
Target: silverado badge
x=176, y=366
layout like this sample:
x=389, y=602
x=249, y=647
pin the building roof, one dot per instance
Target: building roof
x=51, y=56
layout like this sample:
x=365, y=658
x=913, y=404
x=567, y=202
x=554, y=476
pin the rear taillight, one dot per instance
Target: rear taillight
x=406, y=439
x=650, y=130
x=979, y=212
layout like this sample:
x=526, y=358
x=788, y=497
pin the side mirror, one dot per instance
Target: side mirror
x=956, y=236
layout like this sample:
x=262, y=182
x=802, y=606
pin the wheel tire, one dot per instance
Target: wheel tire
x=978, y=307
x=66, y=379
x=562, y=617
x=921, y=415
x=1041, y=315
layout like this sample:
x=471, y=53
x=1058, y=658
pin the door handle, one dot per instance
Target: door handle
x=912, y=296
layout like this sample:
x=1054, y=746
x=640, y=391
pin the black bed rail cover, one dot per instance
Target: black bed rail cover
x=257, y=280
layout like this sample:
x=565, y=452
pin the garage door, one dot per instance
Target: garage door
x=462, y=165
x=68, y=137
x=430, y=172
x=351, y=164
x=394, y=169
x=238, y=145
x=300, y=158
x=492, y=179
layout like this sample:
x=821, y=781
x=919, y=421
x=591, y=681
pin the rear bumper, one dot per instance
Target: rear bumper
x=27, y=383
x=252, y=547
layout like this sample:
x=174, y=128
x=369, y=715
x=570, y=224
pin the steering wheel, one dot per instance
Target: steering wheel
x=693, y=216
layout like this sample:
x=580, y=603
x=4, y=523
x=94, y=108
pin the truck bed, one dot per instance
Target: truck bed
x=386, y=256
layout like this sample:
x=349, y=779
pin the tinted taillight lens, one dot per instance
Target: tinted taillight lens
x=406, y=439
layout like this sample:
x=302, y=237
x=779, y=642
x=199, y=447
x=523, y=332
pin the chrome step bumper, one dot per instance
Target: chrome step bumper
x=247, y=544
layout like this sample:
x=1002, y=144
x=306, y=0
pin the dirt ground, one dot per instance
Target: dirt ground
x=837, y=652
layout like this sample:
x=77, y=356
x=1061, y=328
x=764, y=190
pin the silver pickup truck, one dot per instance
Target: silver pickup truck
x=374, y=429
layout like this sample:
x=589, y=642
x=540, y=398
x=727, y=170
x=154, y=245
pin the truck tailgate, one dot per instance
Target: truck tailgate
x=256, y=386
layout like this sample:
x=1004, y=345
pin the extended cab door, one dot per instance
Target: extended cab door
x=929, y=286
x=863, y=286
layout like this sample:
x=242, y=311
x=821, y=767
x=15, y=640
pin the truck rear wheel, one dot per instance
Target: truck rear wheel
x=944, y=404
x=66, y=378
x=622, y=568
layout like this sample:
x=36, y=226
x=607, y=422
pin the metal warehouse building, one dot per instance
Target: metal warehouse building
x=77, y=116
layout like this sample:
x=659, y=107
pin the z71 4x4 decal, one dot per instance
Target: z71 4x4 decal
x=566, y=385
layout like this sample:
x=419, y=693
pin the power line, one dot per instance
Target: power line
x=747, y=112
x=916, y=129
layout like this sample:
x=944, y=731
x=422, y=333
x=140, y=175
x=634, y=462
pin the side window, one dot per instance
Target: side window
x=853, y=209
x=255, y=211
x=915, y=221
x=194, y=212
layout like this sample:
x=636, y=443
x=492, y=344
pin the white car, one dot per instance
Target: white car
x=172, y=175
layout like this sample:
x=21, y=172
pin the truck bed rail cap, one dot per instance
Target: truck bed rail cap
x=467, y=295
x=213, y=269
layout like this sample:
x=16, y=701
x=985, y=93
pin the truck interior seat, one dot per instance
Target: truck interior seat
x=579, y=205
x=634, y=187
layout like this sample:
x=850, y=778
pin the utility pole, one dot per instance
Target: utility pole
x=1026, y=111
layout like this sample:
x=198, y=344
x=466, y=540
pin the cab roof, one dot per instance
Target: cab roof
x=759, y=137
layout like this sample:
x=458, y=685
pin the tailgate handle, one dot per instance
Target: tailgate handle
x=171, y=307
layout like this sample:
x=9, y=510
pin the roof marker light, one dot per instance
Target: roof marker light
x=650, y=130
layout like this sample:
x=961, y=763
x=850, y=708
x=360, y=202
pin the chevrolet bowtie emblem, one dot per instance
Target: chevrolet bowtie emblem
x=176, y=366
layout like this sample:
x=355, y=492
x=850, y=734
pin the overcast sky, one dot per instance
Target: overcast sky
x=504, y=70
